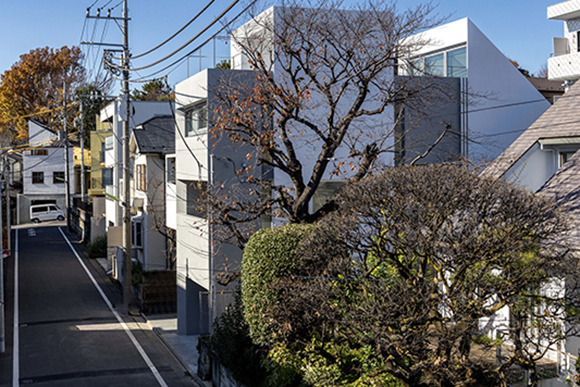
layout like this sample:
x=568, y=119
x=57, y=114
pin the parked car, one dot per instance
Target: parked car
x=44, y=212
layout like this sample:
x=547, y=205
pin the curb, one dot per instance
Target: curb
x=191, y=372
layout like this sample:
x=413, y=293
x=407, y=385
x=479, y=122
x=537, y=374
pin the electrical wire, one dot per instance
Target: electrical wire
x=184, y=45
x=192, y=51
x=174, y=35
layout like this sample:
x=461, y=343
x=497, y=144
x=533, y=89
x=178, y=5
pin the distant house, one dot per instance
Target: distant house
x=545, y=159
x=564, y=65
x=150, y=142
x=43, y=171
x=550, y=89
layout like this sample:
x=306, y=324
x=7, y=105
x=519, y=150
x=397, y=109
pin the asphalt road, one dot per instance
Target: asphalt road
x=66, y=332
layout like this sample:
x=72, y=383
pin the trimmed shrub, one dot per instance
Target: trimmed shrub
x=233, y=347
x=269, y=256
x=98, y=248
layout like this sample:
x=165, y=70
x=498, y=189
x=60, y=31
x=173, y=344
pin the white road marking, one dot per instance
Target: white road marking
x=16, y=345
x=119, y=319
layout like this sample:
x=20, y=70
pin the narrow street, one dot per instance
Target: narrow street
x=63, y=317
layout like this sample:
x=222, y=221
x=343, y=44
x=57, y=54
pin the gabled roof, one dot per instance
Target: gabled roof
x=564, y=188
x=156, y=135
x=561, y=120
x=43, y=126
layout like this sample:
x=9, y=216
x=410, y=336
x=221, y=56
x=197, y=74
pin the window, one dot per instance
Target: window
x=137, y=234
x=109, y=142
x=36, y=210
x=195, y=195
x=457, y=63
x=103, y=149
x=37, y=177
x=170, y=165
x=435, y=65
x=39, y=152
x=107, y=174
x=196, y=120
x=565, y=156
x=141, y=177
x=451, y=63
x=58, y=178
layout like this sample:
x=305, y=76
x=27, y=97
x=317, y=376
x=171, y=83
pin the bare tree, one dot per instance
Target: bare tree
x=322, y=104
x=414, y=262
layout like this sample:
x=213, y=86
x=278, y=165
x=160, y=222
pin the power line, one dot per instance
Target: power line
x=184, y=45
x=195, y=49
x=174, y=35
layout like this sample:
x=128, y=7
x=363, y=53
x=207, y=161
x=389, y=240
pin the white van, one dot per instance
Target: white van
x=44, y=212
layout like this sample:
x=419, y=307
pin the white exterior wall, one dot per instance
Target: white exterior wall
x=152, y=253
x=38, y=135
x=140, y=111
x=170, y=197
x=377, y=128
x=566, y=66
x=504, y=104
x=534, y=168
x=46, y=164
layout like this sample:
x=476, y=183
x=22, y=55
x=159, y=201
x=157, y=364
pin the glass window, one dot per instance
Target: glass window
x=39, y=152
x=195, y=196
x=137, y=234
x=565, y=156
x=196, y=120
x=37, y=177
x=58, y=178
x=107, y=177
x=457, y=63
x=418, y=66
x=109, y=142
x=435, y=65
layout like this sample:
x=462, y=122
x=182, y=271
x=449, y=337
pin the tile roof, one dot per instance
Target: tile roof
x=561, y=120
x=564, y=188
x=156, y=135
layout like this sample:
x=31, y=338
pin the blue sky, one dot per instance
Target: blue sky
x=519, y=28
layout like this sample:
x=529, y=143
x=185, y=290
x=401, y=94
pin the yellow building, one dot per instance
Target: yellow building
x=98, y=149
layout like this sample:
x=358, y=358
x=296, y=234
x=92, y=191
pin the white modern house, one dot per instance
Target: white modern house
x=43, y=171
x=565, y=64
x=502, y=102
x=458, y=51
x=150, y=142
x=201, y=161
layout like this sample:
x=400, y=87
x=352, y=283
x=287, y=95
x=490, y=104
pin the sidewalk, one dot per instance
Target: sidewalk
x=183, y=347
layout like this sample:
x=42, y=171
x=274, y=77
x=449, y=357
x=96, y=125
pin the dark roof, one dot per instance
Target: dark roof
x=564, y=188
x=544, y=84
x=559, y=121
x=156, y=135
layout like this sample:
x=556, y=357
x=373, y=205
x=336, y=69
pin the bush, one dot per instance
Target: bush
x=268, y=257
x=233, y=347
x=98, y=248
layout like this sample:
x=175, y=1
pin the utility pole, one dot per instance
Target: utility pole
x=83, y=191
x=2, y=316
x=66, y=156
x=8, y=212
x=126, y=194
x=127, y=227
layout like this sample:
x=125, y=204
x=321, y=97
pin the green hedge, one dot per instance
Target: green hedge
x=268, y=257
x=98, y=248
